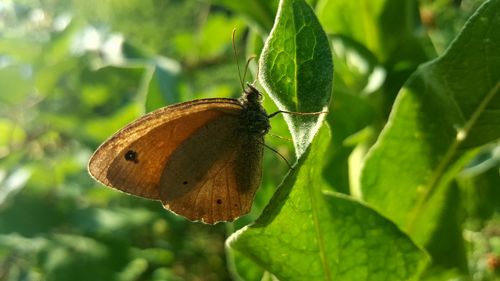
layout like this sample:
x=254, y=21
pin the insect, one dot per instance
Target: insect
x=202, y=159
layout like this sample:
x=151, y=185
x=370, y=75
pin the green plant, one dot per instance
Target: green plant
x=399, y=181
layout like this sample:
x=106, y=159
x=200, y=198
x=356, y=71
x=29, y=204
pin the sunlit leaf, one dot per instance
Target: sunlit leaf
x=310, y=233
x=296, y=69
x=448, y=106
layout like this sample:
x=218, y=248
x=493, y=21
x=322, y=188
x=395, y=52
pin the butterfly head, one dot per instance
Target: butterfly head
x=251, y=95
x=255, y=120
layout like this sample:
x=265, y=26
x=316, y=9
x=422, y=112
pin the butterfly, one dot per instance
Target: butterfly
x=202, y=159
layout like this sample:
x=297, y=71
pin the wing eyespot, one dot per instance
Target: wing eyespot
x=131, y=156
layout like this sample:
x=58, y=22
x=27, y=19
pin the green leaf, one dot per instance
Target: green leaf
x=446, y=245
x=448, y=106
x=296, y=69
x=479, y=186
x=241, y=267
x=309, y=233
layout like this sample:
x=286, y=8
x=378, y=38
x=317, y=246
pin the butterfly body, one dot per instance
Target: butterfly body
x=202, y=159
x=254, y=116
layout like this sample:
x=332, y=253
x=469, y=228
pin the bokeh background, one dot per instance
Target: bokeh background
x=74, y=72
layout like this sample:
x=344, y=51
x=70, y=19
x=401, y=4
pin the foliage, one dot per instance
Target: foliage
x=398, y=182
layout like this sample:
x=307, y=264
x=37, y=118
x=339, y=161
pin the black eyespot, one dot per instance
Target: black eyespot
x=131, y=156
x=219, y=201
x=184, y=182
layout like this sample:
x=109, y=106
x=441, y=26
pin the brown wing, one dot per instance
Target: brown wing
x=152, y=139
x=214, y=174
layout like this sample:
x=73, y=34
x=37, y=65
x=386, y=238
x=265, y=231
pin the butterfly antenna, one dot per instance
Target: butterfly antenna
x=236, y=58
x=257, y=74
x=279, y=154
x=246, y=66
x=295, y=113
x=278, y=137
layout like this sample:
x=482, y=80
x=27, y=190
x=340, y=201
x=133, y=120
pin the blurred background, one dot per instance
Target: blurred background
x=74, y=72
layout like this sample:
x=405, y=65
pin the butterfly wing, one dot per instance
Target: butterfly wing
x=213, y=175
x=151, y=140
